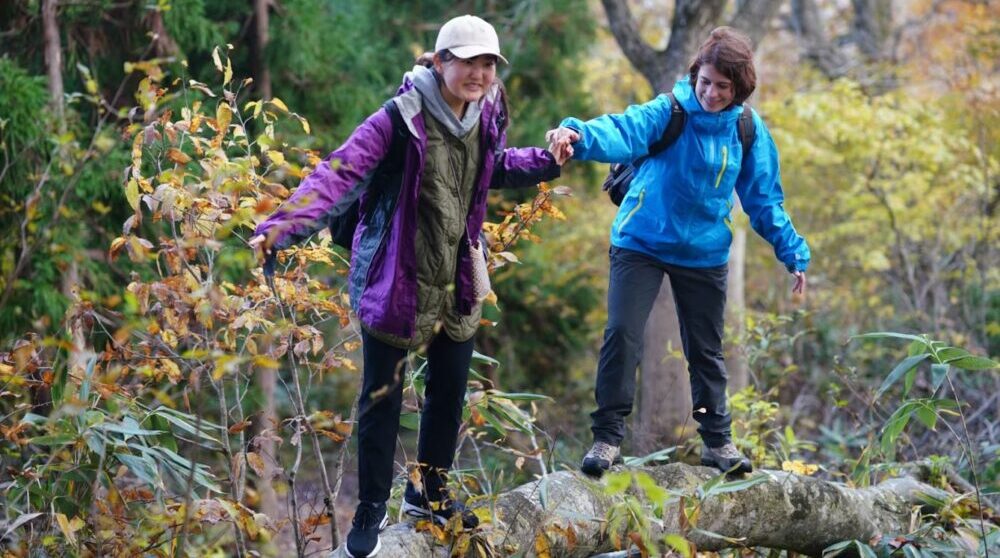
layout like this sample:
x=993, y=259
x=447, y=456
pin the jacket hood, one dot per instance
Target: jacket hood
x=702, y=119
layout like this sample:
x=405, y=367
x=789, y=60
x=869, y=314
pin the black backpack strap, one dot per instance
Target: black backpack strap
x=394, y=158
x=747, y=129
x=678, y=117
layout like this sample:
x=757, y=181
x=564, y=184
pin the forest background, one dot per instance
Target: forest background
x=157, y=395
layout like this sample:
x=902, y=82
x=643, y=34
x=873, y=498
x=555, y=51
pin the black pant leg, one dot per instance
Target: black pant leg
x=700, y=296
x=634, y=283
x=378, y=417
x=444, y=399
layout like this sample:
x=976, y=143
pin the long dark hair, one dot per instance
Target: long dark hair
x=731, y=52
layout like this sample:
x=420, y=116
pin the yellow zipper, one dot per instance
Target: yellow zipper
x=642, y=194
x=722, y=171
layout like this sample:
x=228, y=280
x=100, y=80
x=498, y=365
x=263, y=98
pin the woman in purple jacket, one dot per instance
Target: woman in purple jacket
x=411, y=277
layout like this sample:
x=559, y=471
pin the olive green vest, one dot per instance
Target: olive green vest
x=446, y=186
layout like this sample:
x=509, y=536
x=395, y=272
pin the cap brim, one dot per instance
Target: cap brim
x=474, y=51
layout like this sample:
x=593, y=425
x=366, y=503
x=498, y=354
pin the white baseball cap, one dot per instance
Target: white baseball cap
x=468, y=37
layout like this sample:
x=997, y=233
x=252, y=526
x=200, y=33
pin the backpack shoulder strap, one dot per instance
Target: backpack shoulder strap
x=394, y=157
x=678, y=117
x=747, y=129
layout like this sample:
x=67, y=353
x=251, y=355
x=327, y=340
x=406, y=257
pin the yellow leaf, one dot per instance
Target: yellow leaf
x=171, y=369
x=276, y=157
x=91, y=86
x=132, y=194
x=216, y=59
x=305, y=125
x=223, y=116
x=227, y=75
x=66, y=528
x=278, y=103
x=799, y=467
x=542, y=549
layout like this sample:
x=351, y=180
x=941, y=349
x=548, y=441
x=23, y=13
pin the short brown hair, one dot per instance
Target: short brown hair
x=731, y=53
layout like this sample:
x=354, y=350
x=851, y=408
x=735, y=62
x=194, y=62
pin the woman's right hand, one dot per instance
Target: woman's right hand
x=258, y=244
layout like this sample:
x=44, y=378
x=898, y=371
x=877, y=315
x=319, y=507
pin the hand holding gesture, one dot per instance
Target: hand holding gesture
x=561, y=142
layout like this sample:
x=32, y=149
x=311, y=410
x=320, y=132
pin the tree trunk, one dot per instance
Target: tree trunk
x=53, y=54
x=787, y=511
x=818, y=49
x=258, y=53
x=664, y=414
x=736, y=357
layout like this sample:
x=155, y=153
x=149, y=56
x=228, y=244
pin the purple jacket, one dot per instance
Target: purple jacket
x=383, y=276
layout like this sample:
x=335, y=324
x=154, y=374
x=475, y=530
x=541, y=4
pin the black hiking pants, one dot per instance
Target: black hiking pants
x=380, y=404
x=700, y=297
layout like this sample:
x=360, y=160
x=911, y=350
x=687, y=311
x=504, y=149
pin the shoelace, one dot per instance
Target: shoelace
x=727, y=451
x=366, y=517
x=604, y=451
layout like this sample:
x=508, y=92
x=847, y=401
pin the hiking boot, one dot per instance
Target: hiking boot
x=600, y=458
x=726, y=458
x=418, y=506
x=369, y=520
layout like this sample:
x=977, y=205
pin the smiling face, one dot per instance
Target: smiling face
x=465, y=80
x=715, y=91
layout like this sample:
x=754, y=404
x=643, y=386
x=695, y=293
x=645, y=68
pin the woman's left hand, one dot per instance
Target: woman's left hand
x=800, y=283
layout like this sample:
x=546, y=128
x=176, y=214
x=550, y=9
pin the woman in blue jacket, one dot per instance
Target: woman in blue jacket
x=674, y=221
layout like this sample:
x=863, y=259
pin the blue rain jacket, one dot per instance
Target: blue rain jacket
x=678, y=207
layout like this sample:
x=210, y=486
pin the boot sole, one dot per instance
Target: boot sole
x=595, y=469
x=418, y=512
x=741, y=469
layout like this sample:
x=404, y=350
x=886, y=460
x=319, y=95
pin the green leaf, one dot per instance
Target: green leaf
x=948, y=354
x=659, y=455
x=890, y=335
x=410, y=421
x=140, y=467
x=902, y=368
x=678, y=543
x=974, y=363
x=939, y=372
x=480, y=357
x=495, y=422
x=617, y=483
x=836, y=549
x=180, y=420
x=736, y=486
x=917, y=347
x=894, y=427
x=127, y=430
x=927, y=416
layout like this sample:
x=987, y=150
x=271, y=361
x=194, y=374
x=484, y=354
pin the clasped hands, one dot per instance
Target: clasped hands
x=561, y=142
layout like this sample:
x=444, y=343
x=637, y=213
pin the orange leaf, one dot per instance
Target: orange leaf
x=257, y=464
x=178, y=156
x=239, y=427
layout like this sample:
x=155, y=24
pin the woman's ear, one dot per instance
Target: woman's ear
x=438, y=63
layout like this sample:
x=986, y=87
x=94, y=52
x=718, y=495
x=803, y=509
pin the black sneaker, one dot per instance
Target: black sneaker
x=369, y=520
x=600, y=458
x=726, y=458
x=418, y=506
